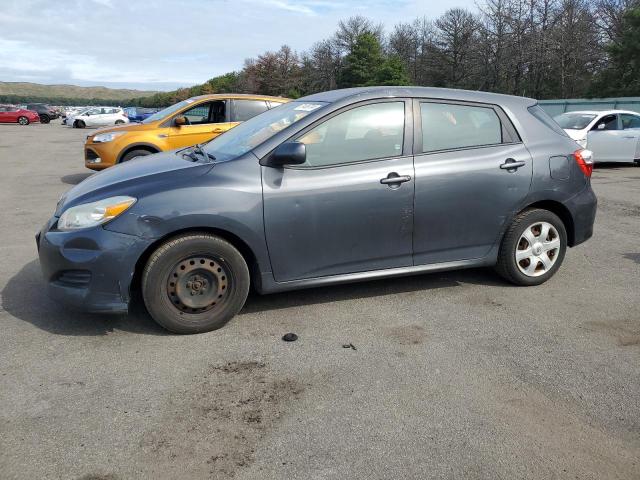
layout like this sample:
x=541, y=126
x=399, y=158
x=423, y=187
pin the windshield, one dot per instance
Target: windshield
x=259, y=129
x=167, y=111
x=574, y=121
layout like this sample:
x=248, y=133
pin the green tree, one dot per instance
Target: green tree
x=622, y=75
x=362, y=64
x=393, y=72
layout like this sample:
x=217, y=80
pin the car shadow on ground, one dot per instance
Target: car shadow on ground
x=75, y=178
x=24, y=297
x=613, y=165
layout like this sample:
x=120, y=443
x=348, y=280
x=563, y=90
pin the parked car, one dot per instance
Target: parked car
x=45, y=112
x=10, y=114
x=138, y=114
x=70, y=113
x=336, y=187
x=191, y=121
x=98, y=117
x=612, y=135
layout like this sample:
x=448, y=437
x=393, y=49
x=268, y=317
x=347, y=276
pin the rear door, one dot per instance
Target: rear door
x=342, y=211
x=4, y=117
x=631, y=136
x=465, y=189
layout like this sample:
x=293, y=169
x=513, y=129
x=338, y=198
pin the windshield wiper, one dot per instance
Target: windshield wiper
x=196, y=153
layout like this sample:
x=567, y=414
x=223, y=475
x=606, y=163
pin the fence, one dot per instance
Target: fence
x=556, y=107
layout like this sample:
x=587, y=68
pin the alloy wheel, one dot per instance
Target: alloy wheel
x=537, y=249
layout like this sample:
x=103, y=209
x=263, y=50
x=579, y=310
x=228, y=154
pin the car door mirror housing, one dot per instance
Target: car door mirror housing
x=600, y=126
x=180, y=121
x=289, y=153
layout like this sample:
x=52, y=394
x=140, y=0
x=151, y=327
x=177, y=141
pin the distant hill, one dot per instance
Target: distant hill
x=52, y=93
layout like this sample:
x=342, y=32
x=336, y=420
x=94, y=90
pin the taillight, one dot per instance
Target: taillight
x=584, y=159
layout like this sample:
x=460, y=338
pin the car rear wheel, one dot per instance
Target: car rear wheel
x=44, y=118
x=119, y=122
x=195, y=283
x=533, y=248
x=23, y=121
x=133, y=154
x=79, y=124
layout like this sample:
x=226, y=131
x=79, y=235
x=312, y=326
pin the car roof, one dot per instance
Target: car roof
x=366, y=93
x=246, y=96
x=603, y=112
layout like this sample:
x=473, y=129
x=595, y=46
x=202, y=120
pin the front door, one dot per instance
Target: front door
x=606, y=141
x=204, y=121
x=342, y=211
x=465, y=190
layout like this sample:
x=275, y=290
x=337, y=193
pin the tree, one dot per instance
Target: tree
x=362, y=63
x=622, y=76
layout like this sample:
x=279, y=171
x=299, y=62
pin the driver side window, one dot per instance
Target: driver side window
x=608, y=122
x=369, y=132
x=210, y=112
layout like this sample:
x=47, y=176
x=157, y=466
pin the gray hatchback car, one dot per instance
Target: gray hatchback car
x=341, y=186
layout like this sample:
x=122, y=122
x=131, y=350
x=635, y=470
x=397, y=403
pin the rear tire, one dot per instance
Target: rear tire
x=23, y=120
x=195, y=283
x=44, y=118
x=119, y=122
x=79, y=124
x=133, y=154
x=532, y=248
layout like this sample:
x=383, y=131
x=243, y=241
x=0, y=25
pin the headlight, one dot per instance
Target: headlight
x=95, y=213
x=106, y=137
x=582, y=142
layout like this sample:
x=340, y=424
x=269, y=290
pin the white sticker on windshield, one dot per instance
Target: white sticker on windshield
x=307, y=107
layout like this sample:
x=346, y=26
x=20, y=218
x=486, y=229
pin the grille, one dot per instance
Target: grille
x=74, y=278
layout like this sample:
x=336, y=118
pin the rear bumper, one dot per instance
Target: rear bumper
x=90, y=269
x=583, y=208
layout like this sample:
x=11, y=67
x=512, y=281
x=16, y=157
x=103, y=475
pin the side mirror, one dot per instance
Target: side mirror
x=288, y=153
x=600, y=126
x=180, y=121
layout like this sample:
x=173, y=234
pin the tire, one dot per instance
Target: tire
x=133, y=154
x=195, y=283
x=119, y=122
x=539, y=259
x=79, y=124
x=23, y=120
x=44, y=118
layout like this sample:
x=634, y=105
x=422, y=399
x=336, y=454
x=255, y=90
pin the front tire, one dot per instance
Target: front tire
x=133, y=154
x=195, y=283
x=533, y=248
x=44, y=119
x=23, y=121
x=119, y=122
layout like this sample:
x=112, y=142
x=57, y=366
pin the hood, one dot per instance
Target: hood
x=126, y=127
x=136, y=178
x=576, y=134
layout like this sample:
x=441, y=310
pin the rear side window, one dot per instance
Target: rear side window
x=245, y=109
x=450, y=126
x=630, y=121
x=542, y=116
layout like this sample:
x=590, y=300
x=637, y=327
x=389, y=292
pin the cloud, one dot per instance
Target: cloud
x=160, y=43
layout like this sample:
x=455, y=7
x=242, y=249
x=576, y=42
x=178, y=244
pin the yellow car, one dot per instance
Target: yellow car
x=186, y=123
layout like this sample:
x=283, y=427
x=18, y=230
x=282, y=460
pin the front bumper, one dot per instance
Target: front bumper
x=98, y=156
x=89, y=269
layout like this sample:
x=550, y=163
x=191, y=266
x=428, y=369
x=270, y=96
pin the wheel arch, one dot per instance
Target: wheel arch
x=243, y=247
x=150, y=147
x=561, y=211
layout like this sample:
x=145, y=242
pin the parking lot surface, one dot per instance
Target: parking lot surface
x=452, y=375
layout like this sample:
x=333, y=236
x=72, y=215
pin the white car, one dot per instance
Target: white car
x=98, y=116
x=612, y=135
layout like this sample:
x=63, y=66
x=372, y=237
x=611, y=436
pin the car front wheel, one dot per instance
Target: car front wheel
x=195, y=283
x=44, y=119
x=533, y=248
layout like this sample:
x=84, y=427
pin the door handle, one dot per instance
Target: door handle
x=394, y=180
x=511, y=164
x=217, y=130
x=629, y=137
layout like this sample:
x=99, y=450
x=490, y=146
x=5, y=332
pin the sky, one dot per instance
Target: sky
x=163, y=44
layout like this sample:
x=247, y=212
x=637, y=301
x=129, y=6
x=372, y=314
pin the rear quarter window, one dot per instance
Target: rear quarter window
x=544, y=118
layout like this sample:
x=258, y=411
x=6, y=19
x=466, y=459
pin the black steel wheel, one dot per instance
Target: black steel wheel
x=195, y=283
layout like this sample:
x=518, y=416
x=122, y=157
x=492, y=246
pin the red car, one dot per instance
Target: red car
x=17, y=115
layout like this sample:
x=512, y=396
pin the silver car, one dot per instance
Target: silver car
x=612, y=135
